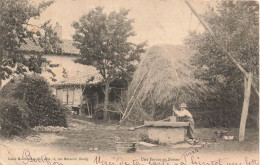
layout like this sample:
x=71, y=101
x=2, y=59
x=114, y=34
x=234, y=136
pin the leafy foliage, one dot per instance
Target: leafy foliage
x=15, y=29
x=45, y=108
x=103, y=43
x=14, y=117
x=235, y=24
x=113, y=112
x=50, y=41
x=102, y=40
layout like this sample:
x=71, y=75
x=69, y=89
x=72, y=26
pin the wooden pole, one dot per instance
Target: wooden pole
x=136, y=99
x=88, y=106
x=81, y=102
x=91, y=109
x=121, y=94
x=125, y=117
x=245, y=107
x=133, y=95
x=255, y=86
x=97, y=101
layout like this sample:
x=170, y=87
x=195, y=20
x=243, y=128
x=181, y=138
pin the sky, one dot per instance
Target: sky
x=156, y=21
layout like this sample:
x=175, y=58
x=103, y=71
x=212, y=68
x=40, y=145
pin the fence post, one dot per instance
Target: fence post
x=245, y=107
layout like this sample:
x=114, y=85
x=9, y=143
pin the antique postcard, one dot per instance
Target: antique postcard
x=129, y=82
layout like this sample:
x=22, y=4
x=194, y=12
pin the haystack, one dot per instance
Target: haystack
x=163, y=79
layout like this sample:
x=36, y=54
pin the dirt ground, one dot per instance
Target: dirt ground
x=83, y=136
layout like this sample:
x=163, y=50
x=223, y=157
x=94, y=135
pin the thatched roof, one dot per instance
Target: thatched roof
x=169, y=79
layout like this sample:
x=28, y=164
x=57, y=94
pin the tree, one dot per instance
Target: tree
x=49, y=41
x=15, y=30
x=236, y=25
x=103, y=43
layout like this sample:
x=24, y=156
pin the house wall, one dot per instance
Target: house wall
x=68, y=92
x=69, y=96
x=66, y=62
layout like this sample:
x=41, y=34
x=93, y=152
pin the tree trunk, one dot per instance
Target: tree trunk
x=0, y=82
x=106, y=100
x=1, y=61
x=245, y=107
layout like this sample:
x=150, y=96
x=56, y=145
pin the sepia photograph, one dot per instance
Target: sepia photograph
x=129, y=82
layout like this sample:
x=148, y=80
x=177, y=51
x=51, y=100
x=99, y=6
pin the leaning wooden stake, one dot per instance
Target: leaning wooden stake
x=125, y=117
x=133, y=95
x=245, y=107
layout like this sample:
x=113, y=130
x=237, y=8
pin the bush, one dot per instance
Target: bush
x=14, y=117
x=99, y=112
x=45, y=108
x=113, y=113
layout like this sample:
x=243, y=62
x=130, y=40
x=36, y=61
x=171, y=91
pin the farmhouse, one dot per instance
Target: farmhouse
x=74, y=84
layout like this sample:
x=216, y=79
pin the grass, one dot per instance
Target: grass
x=84, y=135
x=99, y=136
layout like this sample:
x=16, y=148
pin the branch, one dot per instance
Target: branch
x=131, y=108
x=112, y=111
x=128, y=104
x=28, y=24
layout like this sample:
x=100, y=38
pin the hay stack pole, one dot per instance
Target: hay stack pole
x=123, y=119
x=124, y=115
